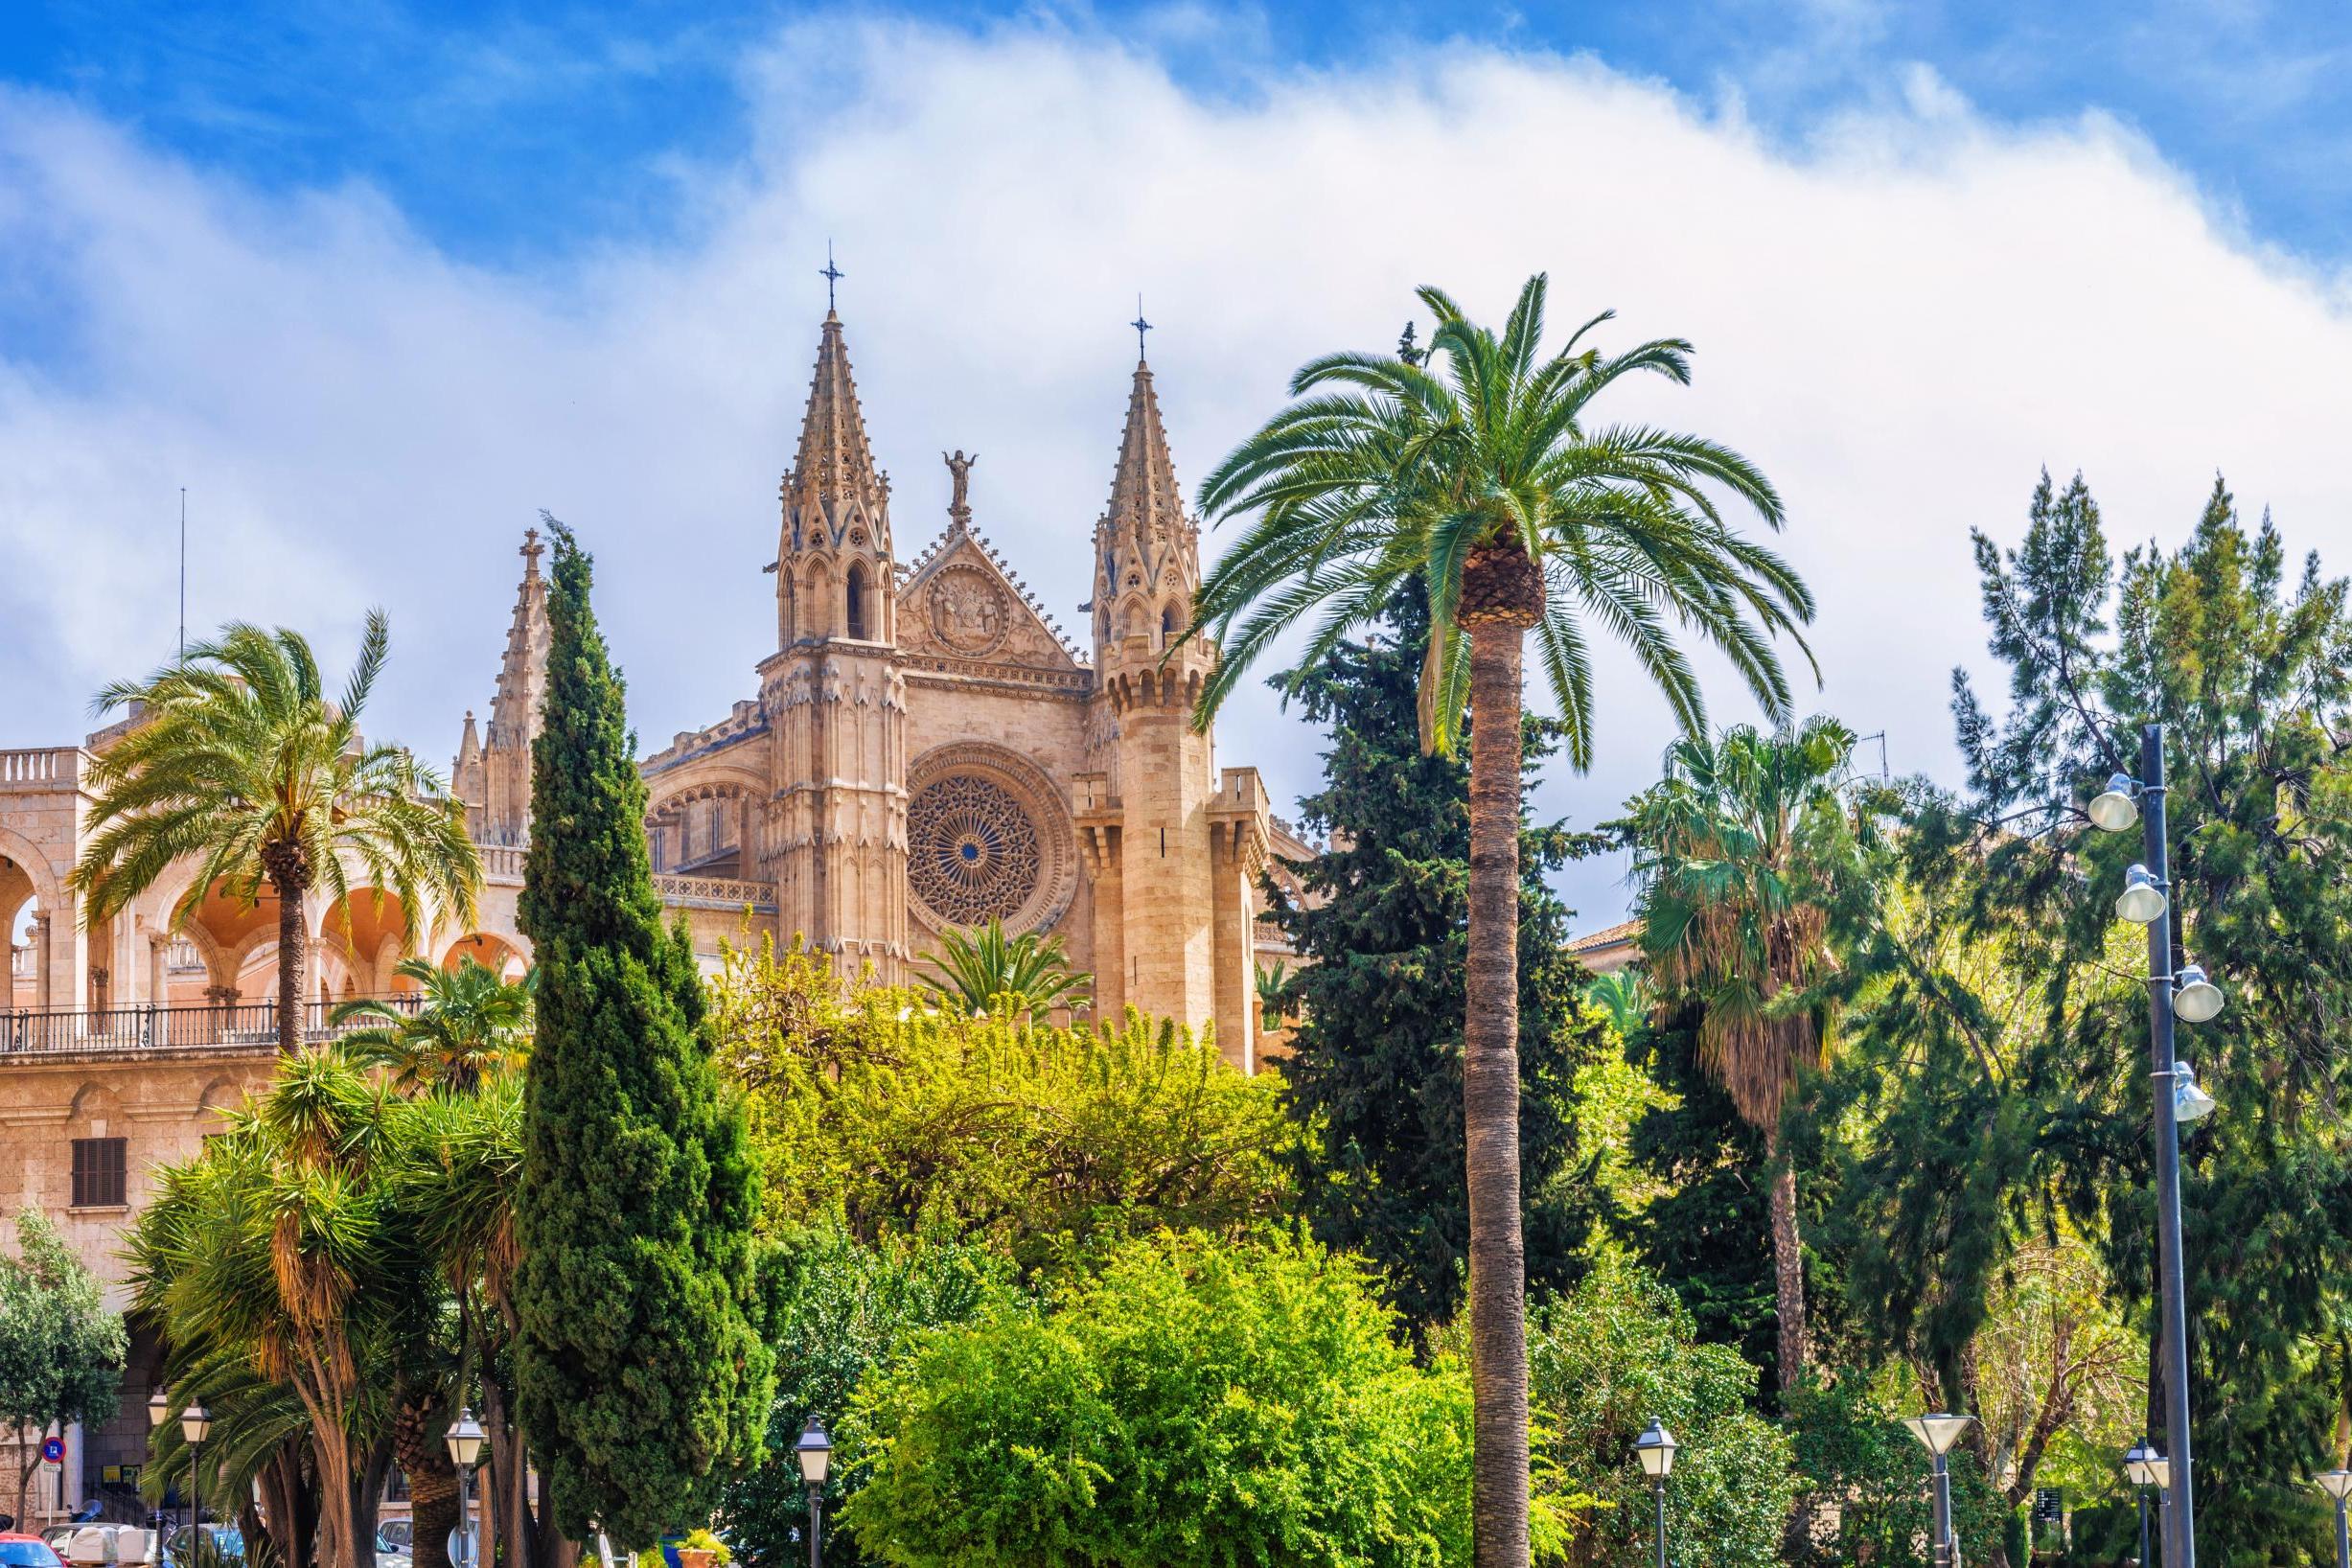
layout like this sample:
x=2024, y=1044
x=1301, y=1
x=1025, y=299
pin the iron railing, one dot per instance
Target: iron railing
x=242, y=1026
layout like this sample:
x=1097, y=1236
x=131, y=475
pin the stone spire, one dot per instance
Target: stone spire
x=833, y=481
x=493, y=776
x=522, y=673
x=1144, y=531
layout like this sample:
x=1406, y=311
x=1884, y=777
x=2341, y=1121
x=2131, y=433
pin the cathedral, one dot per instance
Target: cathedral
x=926, y=750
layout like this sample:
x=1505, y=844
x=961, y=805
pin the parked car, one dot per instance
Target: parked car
x=400, y=1536
x=27, y=1552
x=227, y=1543
x=82, y=1545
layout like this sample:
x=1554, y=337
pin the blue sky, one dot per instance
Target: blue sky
x=376, y=282
x=507, y=131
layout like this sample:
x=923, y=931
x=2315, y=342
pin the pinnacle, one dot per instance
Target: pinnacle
x=522, y=672
x=1146, y=511
x=833, y=455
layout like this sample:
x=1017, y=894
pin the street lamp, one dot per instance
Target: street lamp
x=158, y=1409
x=815, y=1451
x=2117, y=806
x=2338, y=1484
x=465, y=1440
x=2147, y=1469
x=2195, y=998
x=1655, y=1449
x=1937, y=1433
x=2142, y=901
x=195, y=1423
x=2175, y=1096
x=2190, y=1103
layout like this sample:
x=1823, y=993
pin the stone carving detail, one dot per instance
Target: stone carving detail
x=969, y=612
x=972, y=850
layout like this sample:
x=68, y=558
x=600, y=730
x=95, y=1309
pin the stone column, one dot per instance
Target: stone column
x=42, y=979
x=158, y=968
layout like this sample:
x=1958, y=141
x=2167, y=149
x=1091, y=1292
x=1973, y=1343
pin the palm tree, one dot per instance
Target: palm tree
x=977, y=968
x=238, y=761
x=472, y=1021
x=1623, y=996
x=1753, y=863
x=1273, y=1006
x=1480, y=472
x=274, y=1249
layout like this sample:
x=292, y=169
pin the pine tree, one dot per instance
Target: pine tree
x=1999, y=1084
x=1698, y=1233
x=641, y=1382
x=1378, y=1053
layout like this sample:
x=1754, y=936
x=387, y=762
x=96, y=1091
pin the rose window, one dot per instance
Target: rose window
x=972, y=850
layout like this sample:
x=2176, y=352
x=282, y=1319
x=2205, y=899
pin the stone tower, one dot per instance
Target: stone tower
x=833, y=835
x=493, y=776
x=1155, y=873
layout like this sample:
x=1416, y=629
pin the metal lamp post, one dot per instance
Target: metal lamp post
x=2194, y=999
x=158, y=1410
x=1937, y=1433
x=2338, y=1484
x=195, y=1425
x=2147, y=1469
x=815, y=1451
x=465, y=1440
x=1655, y=1449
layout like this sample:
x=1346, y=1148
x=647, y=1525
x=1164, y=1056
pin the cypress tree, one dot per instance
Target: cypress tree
x=641, y=1382
x=1377, y=1055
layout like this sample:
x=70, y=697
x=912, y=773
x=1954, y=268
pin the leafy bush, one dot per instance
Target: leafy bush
x=1195, y=1403
x=1855, y=1454
x=834, y=1310
x=877, y=1111
x=1612, y=1355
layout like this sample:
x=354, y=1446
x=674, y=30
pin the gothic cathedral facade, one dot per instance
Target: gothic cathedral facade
x=928, y=751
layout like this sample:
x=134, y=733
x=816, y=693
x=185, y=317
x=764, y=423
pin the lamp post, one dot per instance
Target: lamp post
x=1937, y=1433
x=2146, y=900
x=159, y=1407
x=195, y=1423
x=2147, y=1469
x=465, y=1440
x=1655, y=1449
x=815, y=1451
x=2338, y=1484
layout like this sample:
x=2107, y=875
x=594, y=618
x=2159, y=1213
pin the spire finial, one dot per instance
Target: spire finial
x=1140, y=327
x=833, y=274
x=532, y=549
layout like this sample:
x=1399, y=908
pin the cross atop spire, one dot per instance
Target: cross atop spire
x=1140, y=327
x=532, y=549
x=832, y=275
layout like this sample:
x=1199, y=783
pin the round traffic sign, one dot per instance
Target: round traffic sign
x=52, y=1450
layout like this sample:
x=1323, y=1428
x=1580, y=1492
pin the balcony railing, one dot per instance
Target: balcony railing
x=244, y=1026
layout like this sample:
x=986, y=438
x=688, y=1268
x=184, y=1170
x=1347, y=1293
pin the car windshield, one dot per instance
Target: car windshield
x=27, y=1555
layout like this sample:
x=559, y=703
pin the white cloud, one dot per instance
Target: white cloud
x=1902, y=321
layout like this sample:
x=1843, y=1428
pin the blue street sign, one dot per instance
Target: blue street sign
x=52, y=1450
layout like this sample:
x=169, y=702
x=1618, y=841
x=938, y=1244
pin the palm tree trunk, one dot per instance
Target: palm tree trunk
x=291, y=1504
x=1788, y=1291
x=1788, y=1269
x=290, y=936
x=433, y=1479
x=1491, y=1106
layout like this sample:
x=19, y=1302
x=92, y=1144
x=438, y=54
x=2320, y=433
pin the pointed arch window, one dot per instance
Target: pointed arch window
x=854, y=603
